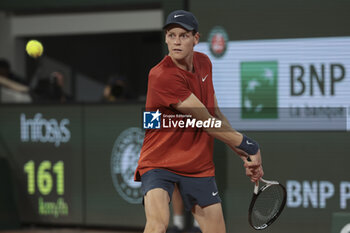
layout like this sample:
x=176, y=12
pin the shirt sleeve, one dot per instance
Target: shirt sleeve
x=211, y=88
x=168, y=89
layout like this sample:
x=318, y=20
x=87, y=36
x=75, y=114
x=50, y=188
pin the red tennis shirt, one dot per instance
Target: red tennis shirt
x=185, y=151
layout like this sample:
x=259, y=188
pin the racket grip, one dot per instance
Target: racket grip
x=256, y=188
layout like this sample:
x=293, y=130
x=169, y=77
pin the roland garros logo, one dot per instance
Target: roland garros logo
x=217, y=41
x=125, y=155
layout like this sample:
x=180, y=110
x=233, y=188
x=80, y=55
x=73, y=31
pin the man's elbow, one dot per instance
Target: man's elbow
x=217, y=113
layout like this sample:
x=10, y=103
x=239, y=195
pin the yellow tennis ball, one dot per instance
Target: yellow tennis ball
x=34, y=48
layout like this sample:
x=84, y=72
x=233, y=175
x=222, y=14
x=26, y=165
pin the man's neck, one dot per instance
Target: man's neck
x=184, y=64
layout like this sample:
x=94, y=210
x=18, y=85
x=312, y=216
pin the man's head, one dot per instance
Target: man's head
x=181, y=29
x=182, y=18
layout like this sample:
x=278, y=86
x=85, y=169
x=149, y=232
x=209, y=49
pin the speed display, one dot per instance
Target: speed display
x=43, y=145
x=44, y=180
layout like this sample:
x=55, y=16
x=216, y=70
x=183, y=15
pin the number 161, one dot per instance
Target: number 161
x=44, y=178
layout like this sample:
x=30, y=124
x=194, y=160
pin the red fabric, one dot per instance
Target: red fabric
x=188, y=152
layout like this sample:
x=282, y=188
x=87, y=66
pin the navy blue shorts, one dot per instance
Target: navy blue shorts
x=194, y=190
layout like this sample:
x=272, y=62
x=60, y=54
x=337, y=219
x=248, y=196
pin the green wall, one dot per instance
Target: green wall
x=309, y=159
x=304, y=157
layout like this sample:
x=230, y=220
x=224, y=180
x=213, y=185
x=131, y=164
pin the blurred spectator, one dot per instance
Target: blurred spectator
x=116, y=89
x=12, y=88
x=5, y=71
x=49, y=89
x=4, y=68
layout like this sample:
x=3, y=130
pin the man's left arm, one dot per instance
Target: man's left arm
x=223, y=118
x=218, y=112
x=225, y=133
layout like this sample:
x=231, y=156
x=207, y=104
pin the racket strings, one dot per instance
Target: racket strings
x=267, y=205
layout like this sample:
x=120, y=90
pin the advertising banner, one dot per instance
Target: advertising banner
x=281, y=84
x=43, y=147
x=74, y=165
x=313, y=166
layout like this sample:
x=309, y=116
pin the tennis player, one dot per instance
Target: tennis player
x=182, y=83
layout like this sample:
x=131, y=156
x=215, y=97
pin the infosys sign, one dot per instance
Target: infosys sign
x=38, y=129
x=287, y=83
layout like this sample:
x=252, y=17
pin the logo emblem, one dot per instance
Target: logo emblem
x=125, y=155
x=259, y=90
x=203, y=79
x=214, y=193
x=217, y=41
x=345, y=229
x=151, y=120
x=175, y=16
x=40, y=129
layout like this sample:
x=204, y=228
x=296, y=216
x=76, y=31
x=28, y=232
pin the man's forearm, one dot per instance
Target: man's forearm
x=226, y=134
x=222, y=117
x=245, y=143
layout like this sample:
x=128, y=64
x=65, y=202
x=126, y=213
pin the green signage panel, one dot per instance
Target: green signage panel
x=74, y=164
x=341, y=222
x=313, y=166
x=113, y=142
x=43, y=147
x=259, y=89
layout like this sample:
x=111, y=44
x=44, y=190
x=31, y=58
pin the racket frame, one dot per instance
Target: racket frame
x=256, y=193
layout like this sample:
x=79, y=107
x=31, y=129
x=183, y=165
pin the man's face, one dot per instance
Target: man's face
x=180, y=42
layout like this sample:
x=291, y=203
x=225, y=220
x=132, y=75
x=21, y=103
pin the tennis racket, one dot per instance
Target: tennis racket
x=267, y=204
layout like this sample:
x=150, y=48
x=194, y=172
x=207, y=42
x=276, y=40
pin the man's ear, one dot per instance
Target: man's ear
x=196, y=38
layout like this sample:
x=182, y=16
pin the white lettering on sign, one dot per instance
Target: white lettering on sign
x=316, y=194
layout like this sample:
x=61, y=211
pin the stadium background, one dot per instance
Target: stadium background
x=88, y=41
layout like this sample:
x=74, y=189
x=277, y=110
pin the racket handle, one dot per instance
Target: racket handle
x=256, y=185
x=256, y=188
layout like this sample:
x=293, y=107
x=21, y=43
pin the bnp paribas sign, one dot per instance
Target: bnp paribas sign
x=259, y=97
x=283, y=84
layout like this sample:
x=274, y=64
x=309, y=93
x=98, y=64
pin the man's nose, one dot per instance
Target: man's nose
x=177, y=40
